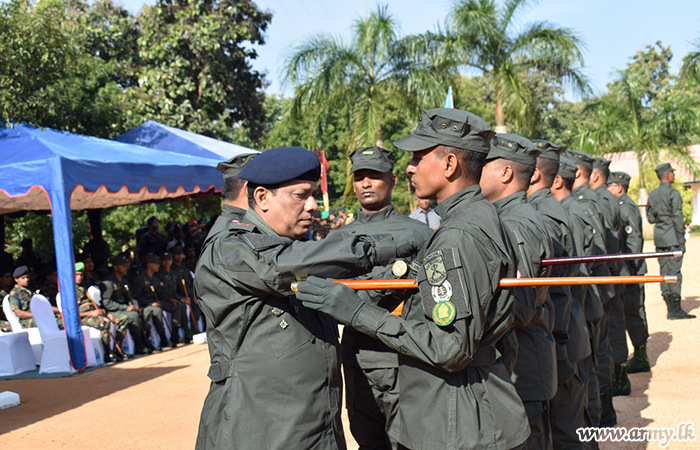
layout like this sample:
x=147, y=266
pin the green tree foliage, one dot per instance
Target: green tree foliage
x=691, y=64
x=646, y=110
x=195, y=72
x=483, y=36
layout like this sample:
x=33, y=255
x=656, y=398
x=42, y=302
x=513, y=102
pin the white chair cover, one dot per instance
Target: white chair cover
x=32, y=333
x=95, y=337
x=16, y=354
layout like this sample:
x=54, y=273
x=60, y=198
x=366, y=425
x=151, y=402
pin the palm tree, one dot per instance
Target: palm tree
x=691, y=63
x=375, y=73
x=482, y=36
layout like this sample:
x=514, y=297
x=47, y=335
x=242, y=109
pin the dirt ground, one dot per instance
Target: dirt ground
x=154, y=402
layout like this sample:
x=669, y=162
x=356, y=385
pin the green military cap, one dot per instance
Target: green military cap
x=620, y=178
x=567, y=168
x=600, y=163
x=79, y=266
x=233, y=166
x=373, y=158
x=663, y=168
x=513, y=148
x=580, y=158
x=449, y=127
x=548, y=149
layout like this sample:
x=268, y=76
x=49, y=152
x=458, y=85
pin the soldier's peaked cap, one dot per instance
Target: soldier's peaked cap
x=279, y=165
x=232, y=167
x=580, y=158
x=513, y=147
x=449, y=127
x=549, y=150
x=600, y=163
x=663, y=168
x=567, y=168
x=373, y=158
x=620, y=178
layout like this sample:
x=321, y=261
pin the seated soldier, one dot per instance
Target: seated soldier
x=90, y=278
x=185, y=286
x=92, y=316
x=166, y=292
x=144, y=293
x=20, y=296
x=6, y=284
x=49, y=288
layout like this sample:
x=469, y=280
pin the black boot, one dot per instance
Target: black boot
x=140, y=347
x=164, y=341
x=675, y=312
x=621, y=383
x=640, y=361
x=608, y=417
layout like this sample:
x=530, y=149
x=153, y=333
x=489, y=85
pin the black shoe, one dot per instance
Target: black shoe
x=675, y=312
x=144, y=350
x=608, y=417
x=111, y=357
x=621, y=383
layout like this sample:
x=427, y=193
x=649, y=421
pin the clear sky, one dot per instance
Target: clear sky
x=613, y=30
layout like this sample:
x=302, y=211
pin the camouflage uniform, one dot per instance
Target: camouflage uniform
x=19, y=299
x=4, y=324
x=102, y=323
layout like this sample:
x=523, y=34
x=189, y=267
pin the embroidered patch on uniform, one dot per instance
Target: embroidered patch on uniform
x=442, y=293
x=444, y=313
x=435, y=268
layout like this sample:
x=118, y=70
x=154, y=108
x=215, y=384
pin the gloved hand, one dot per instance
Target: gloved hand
x=565, y=370
x=334, y=299
x=409, y=241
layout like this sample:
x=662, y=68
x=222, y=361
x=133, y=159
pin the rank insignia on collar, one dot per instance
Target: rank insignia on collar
x=435, y=268
x=444, y=313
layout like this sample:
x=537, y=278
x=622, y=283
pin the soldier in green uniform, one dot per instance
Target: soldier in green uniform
x=185, y=290
x=570, y=330
x=49, y=288
x=20, y=296
x=117, y=300
x=275, y=364
x=601, y=400
x=166, y=285
x=666, y=211
x=455, y=391
x=90, y=278
x=143, y=291
x=370, y=368
x=97, y=318
x=632, y=294
x=509, y=167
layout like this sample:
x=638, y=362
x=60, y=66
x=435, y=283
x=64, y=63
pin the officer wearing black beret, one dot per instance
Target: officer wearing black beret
x=278, y=360
x=369, y=367
x=666, y=211
x=455, y=390
x=567, y=408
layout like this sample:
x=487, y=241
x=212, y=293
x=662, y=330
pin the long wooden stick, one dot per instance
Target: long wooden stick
x=113, y=336
x=194, y=322
x=612, y=257
x=363, y=285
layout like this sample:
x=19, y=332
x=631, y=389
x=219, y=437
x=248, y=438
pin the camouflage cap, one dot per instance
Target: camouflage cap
x=567, y=168
x=372, y=158
x=233, y=166
x=449, y=127
x=580, y=158
x=601, y=163
x=661, y=169
x=513, y=147
x=620, y=178
x=548, y=149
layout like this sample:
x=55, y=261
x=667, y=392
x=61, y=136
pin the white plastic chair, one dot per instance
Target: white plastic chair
x=128, y=346
x=93, y=333
x=56, y=357
x=16, y=354
x=32, y=333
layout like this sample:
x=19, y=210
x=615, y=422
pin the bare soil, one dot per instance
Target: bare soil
x=154, y=402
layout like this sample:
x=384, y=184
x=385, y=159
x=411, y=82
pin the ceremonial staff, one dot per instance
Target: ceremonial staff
x=194, y=322
x=611, y=257
x=170, y=330
x=97, y=308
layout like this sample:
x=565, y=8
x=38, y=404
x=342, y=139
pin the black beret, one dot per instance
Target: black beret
x=449, y=127
x=515, y=148
x=620, y=178
x=567, y=168
x=120, y=260
x=661, y=169
x=177, y=249
x=151, y=259
x=372, y=158
x=233, y=166
x=279, y=165
x=580, y=158
x=20, y=271
x=601, y=163
x=549, y=150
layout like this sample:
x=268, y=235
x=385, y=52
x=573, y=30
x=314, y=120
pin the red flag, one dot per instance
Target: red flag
x=324, y=171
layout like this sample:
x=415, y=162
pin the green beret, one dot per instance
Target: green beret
x=601, y=163
x=548, y=149
x=233, y=166
x=515, y=148
x=449, y=127
x=279, y=165
x=661, y=169
x=373, y=158
x=581, y=158
x=567, y=168
x=325, y=215
x=620, y=178
x=79, y=266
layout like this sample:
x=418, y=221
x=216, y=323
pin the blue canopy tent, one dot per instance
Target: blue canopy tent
x=59, y=171
x=155, y=135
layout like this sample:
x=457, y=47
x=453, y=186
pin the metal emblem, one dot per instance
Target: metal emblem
x=277, y=311
x=442, y=293
x=444, y=313
x=284, y=324
x=435, y=270
x=399, y=268
x=628, y=229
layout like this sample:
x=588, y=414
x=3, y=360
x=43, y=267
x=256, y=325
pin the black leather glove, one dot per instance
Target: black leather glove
x=408, y=242
x=334, y=299
x=565, y=370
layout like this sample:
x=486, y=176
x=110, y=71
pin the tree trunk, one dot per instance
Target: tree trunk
x=500, y=124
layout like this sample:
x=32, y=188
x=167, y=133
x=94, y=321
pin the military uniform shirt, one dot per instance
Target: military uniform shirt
x=666, y=211
x=632, y=233
x=115, y=294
